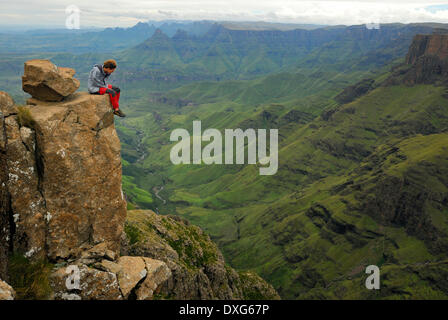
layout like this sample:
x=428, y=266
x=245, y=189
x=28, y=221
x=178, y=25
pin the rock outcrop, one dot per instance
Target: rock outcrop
x=426, y=61
x=47, y=82
x=62, y=204
x=60, y=188
x=126, y=278
x=64, y=177
x=197, y=266
x=352, y=93
x=428, y=45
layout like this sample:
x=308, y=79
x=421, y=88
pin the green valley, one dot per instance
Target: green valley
x=362, y=117
x=360, y=182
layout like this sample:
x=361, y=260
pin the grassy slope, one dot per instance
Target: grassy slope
x=288, y=227
x=286, y=99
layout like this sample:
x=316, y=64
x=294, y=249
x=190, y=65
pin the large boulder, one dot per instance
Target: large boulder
x=80, y=161
x=47, y=82
x=139, y=276
x=127, y=278
x=92, y=284
x=130, y=271
x=157, y=273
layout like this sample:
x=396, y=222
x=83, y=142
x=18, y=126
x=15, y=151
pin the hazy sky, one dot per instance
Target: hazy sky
x=111, y=13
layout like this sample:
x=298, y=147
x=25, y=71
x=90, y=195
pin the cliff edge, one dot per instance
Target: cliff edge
x=63, y=211
x=426, y=62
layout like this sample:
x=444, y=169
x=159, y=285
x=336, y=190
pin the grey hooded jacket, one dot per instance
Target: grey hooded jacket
x=97, y=79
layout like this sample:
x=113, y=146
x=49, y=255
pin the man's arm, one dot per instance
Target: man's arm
x=94, y=83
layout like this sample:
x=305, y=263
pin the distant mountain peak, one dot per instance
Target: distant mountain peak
x=159, y=35
x=215, y=30
x=181, y=34
x=157, y=40
x=141, y=25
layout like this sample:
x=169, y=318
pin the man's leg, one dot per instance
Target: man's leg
x=116, y=89
x=117, y=96
x=114, y=99
x=118, y=111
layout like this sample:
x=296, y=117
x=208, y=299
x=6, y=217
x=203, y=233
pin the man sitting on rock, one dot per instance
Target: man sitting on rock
x=97, y=83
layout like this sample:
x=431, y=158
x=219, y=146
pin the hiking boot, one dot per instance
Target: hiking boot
x=119, y=113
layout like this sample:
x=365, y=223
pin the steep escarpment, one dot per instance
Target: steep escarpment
x=429, y=45
x=63, y=211
x=426, y=61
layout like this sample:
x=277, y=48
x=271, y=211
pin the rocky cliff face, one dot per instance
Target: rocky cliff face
x=428, y=45
x=62, y=203
x=63, y=173
x=426, y=61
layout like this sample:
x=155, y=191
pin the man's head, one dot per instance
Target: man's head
x=109, y=66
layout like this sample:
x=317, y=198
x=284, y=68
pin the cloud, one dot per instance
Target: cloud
x=437, y=8
x=102, y=13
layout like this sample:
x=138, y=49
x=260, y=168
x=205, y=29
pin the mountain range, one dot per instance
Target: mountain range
x=362, y=121
x=357, y=141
